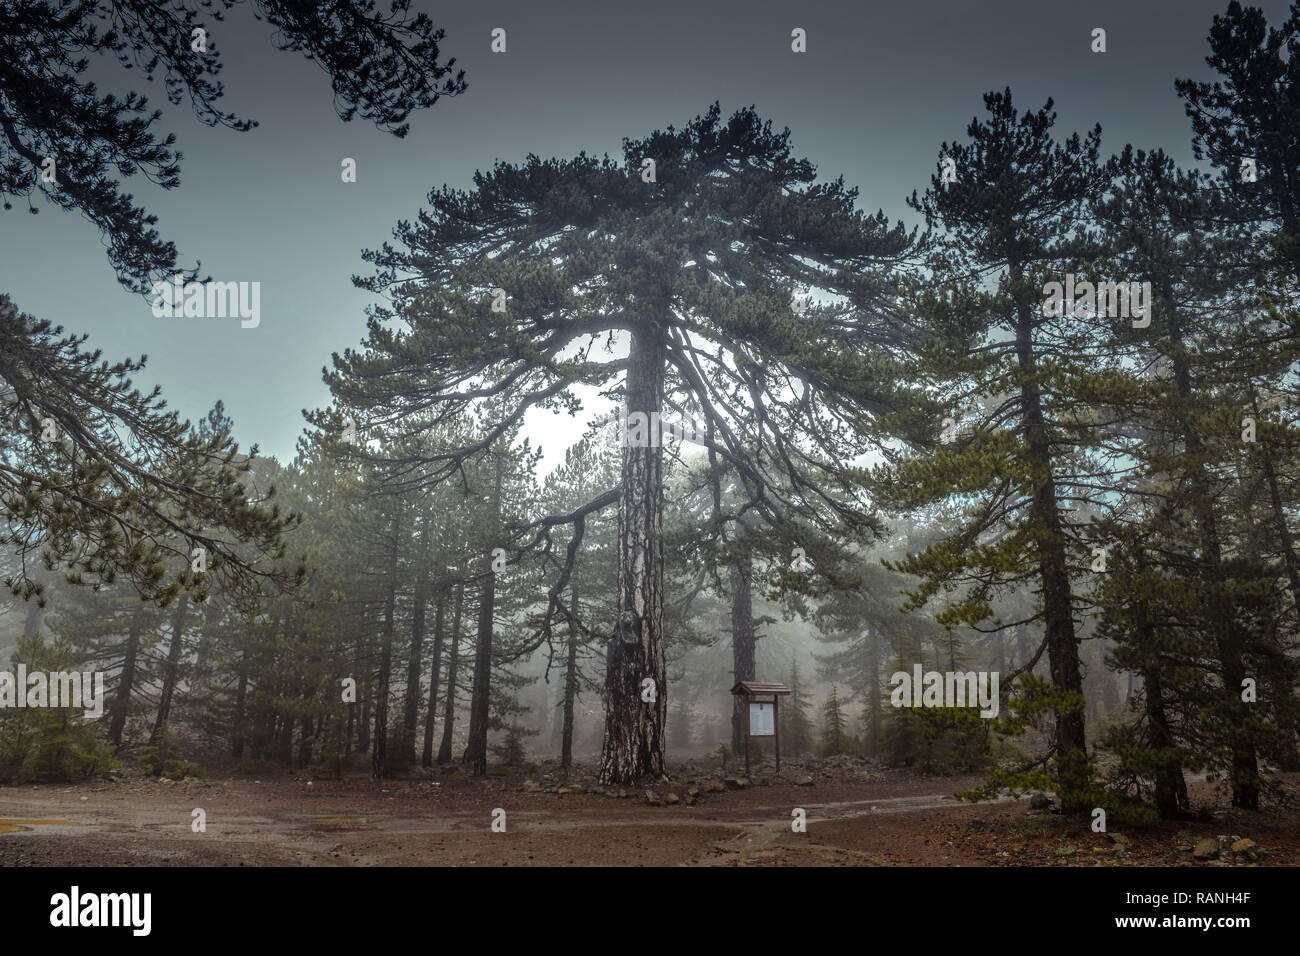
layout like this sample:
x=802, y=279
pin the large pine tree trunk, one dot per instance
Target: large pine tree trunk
x=634, y=729
x=449, y=713
x=125, y=683
x=439, y=617
x=1054, y=575
x=386, y=655
x=742, y=647
x=172, y=668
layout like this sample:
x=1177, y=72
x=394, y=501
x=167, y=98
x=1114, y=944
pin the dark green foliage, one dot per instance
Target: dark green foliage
x=796, y=727
x=381, y=66
x=937, y=740
x=47, y=744
x=162, y=758
x=511, y=751
x=835, y=739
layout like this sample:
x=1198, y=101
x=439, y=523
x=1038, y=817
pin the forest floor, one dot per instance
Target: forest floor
x=857, y=815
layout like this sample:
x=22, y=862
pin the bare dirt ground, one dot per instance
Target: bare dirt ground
x=856, y=816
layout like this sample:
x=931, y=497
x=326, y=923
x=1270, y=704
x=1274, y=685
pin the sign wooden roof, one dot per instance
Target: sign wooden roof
x=751, y=688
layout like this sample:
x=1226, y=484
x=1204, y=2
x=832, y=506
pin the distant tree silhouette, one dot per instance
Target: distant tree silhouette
x=381, y=66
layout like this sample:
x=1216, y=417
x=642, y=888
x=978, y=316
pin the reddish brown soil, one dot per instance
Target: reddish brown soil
x=869, y=817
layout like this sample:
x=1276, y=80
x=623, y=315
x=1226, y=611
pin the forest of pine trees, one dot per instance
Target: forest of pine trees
x=898, y=456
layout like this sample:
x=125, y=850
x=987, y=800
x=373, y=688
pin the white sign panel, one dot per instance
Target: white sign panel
x=761, y=720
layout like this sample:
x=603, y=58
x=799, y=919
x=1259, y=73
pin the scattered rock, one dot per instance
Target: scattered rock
x=803, y=781
x=714, y=786
x=1040, y=801
x=672, y=799
x=653, y=799
x=1245, y=849
x=563, y=790
x=692, y=793
x=623, y=794
x=736, y=783
x=1206, y=849
x=530, y=786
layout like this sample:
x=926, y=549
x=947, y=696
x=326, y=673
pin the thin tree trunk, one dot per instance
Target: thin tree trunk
x=125, y=683
x=417, y=641
x=207, y=637
x=1170, y=785
x=480, y=707
x=449, y=714
x=439, y=616
x=237, y=730
x=570, y=691
x=171, y=670
x=386, y=654
x=873, y=692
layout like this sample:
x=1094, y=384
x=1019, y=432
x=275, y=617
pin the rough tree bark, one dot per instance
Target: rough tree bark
x=570, y=691
x=1054, y=574
x=742, y=646
x=633, y=745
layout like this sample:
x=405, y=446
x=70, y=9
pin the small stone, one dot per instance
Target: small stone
x=563, y=790
x=736, y=783
x=692, y=793
x=1206, y=849
x=672, y=799
x=653, y=799
x=803, y=781
x=1247, y=849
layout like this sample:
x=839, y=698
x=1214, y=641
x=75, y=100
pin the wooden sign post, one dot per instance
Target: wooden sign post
x=761, y=714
